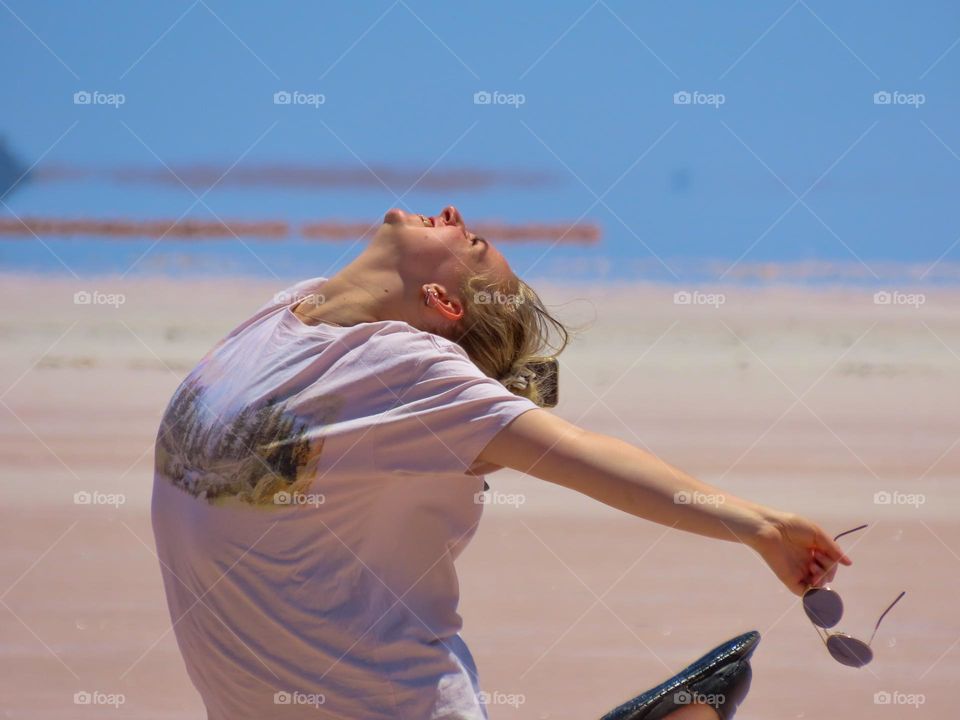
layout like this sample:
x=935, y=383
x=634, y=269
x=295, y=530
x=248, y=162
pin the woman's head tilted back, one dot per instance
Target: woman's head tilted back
x=466, y=292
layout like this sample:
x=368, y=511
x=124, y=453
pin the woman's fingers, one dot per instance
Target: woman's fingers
x=825, y=557
x=816, y=573
x=829, y=546
x=820, y=575
x=816, y=567
x=827, y=565
x=806, y=556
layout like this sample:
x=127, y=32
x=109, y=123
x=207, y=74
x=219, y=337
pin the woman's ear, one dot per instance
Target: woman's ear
x=435, y=296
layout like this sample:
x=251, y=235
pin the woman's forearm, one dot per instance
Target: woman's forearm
x=630, y=479
x=623, y=476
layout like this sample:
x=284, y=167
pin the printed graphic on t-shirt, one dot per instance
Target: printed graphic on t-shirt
x=252, y=453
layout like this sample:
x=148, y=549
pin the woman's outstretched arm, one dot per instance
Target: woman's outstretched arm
x=628, y=478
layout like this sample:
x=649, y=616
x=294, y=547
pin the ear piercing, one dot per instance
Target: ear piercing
x=433, y=300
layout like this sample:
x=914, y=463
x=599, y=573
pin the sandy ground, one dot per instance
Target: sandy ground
x=812, y=401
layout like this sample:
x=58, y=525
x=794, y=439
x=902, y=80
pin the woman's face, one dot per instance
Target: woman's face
x=439, y=248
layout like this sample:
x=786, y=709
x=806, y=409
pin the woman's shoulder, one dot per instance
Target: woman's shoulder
x=392, y=345
x=403, y=339
x=408, y=338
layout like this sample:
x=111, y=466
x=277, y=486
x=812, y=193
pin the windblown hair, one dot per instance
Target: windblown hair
x=505, y=325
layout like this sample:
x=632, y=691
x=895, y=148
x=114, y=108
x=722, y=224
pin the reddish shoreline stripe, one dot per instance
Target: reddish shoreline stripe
x=325, y=230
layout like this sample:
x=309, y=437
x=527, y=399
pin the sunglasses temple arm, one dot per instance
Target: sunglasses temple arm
x=889, y=608
x=847, y=532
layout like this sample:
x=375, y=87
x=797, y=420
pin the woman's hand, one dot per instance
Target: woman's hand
x=798, y=551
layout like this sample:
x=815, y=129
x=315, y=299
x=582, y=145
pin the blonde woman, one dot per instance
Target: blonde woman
x=317, y=475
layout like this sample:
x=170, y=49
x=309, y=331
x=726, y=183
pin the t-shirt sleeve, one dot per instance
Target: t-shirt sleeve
x=445, y=416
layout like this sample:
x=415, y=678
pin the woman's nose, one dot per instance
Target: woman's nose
x=452, y=216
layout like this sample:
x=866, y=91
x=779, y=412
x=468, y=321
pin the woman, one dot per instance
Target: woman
x=319, y=471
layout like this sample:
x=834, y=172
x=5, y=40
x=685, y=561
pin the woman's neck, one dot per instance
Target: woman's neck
x=350, y=297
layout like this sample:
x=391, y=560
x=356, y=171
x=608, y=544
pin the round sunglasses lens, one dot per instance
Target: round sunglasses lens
x=849, y=651
x=823, y=606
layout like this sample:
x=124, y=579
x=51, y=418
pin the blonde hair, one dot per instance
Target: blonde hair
x=505, y=326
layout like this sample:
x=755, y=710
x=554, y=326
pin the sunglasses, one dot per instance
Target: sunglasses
x=825, y=609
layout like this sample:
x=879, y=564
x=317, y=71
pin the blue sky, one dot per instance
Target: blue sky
x=797, y=163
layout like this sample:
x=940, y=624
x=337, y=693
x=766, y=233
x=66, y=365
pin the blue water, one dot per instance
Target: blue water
x=799, y=163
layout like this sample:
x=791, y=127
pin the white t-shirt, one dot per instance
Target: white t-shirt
x=311, y=494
